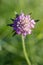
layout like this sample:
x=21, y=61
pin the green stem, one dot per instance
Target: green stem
x=24, y=50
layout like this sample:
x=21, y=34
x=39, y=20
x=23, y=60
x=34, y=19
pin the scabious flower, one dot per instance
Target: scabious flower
x=23, y=24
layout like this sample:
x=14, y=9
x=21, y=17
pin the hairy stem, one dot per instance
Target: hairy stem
x=24, y=51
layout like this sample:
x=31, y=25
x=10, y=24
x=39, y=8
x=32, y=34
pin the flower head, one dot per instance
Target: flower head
x=23, y=24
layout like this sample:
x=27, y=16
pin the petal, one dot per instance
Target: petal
x=32, y=25
x=29, y=32
x=33, y=22
x=18, y=31
x=24, y=34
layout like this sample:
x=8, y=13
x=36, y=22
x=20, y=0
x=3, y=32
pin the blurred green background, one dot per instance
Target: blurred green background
x=11, y=52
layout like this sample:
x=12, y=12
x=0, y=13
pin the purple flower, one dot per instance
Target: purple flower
x=23, y=24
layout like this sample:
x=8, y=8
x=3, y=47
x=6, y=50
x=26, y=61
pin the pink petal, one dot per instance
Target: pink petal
x=32, y=26
x=32, y=21
x=29, y=31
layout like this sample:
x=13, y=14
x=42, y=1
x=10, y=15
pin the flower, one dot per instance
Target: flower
x=23, y=24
